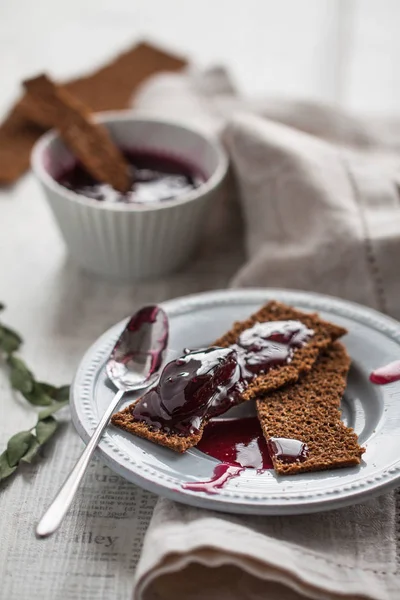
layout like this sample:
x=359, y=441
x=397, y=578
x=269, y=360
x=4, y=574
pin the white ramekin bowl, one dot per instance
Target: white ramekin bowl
x=128, y=241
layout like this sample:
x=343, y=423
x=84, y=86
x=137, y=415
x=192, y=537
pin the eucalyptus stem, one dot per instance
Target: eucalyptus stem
x=24, y=446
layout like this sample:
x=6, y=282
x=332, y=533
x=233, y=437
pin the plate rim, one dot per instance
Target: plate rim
x=234, y=502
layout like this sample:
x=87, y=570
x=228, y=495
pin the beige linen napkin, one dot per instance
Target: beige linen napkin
x=318, y=193
x=318, y=189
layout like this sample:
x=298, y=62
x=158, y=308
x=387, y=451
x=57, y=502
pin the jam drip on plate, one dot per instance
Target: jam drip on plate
x=206, y=383
x=239, y=444
x=387, y=374
x=222, y=473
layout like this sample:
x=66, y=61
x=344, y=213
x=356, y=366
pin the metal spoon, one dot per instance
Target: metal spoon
x=134, y=364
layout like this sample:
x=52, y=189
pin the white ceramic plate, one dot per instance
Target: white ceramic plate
x=373, y=411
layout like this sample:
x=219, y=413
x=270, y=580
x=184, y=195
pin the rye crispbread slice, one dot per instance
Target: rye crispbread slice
x=109, y=88
x=303, y=360
x=175, y=441
x=309, y=411
x=53, y=106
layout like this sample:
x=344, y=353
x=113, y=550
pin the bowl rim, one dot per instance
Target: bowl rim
x=128, y=116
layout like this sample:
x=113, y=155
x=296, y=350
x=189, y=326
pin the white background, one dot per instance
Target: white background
x=343, y=51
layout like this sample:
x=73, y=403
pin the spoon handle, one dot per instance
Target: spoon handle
x=54, y=515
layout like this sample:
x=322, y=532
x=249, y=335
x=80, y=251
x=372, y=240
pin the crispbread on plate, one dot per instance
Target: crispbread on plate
x=309, y=411
x=303, y=360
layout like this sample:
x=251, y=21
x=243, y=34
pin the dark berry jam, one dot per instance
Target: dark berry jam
x=269, y=344
x=155, y=178
x=238, y=442
x=206, y=383
x=287, y=450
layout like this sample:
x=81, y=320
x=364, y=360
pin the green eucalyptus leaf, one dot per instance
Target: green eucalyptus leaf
x=38, y=395
x=50, y=390
x=5, y=469
x=33, y=450
x=24, y=446
x=45, y=429
x=62, y=394
x=20, y=376
x=10, y=341
x=50, y=410
x=18, y=446
x=18, y=364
